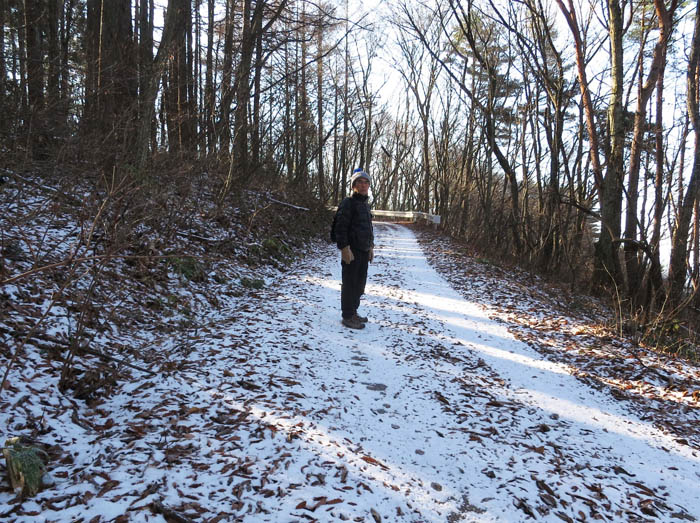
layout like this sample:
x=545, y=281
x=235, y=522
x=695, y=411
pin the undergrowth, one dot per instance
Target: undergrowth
x=665, y=330
x=87, y=255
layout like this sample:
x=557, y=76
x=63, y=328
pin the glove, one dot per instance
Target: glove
x=371, y=254
x=346, y=255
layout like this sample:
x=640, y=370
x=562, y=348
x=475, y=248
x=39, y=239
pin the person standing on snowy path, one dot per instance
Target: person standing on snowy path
x=355, y=239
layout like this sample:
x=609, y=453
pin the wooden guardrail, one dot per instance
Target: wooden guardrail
x=412, y=216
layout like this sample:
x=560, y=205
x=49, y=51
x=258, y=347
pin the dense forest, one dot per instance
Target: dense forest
x=557, y=134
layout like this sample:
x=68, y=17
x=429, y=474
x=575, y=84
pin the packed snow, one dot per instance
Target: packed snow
x=273, y=411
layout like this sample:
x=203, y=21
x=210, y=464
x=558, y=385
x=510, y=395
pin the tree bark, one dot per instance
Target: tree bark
x=609, y=188
x=179, y=111
x=696, y=249
x=665, y=21
x=4, y=98
x=655, y=276
x=345, y=101
x=156, y=70
x=256, y=134
x=92, y=73
x=209, y=98
x=242, y=83
x=252, y=26
x=53, y=116
x=302, y=124
x=608, y=266
x=320, y=174
x=67, y=27
x=112, y=77
x=227, y=89
x=678, y=269
x=145, y=61
x=34, y=23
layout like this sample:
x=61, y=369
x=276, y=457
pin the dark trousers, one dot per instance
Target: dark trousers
x=354, y=280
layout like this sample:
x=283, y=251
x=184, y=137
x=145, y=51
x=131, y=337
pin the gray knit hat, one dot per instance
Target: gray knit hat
x=359, y=173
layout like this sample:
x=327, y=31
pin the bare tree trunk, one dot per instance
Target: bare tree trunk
x=679, y=244
x=4, y=99
x=607, y=265
x=319, y=122
x=252, y=27
x=608, y=268
x=209, y=98
x=655, y=276
x=153, y=79
x=345, y=101
x=665, y=20
x=302, y=124
x=198, y=108
x=34, y=23
x=67, y=26
x=256, y=135
x=696, y=248
x=92, y=52
x=334, y=169
x=111, y=83
x=242, y=83
x=179, y=113
x=53, y=118
x=227, y=90
x=173, y=85
x=189, y=84
x=289, y=93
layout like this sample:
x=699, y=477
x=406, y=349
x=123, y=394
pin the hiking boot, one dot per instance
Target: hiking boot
x=361, y=319
x=353, y=323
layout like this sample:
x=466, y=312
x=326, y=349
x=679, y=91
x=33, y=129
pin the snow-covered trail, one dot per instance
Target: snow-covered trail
x=273, y=411
x=436, y=412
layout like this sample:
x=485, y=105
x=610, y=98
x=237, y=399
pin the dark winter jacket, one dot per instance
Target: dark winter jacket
x=354, y=224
